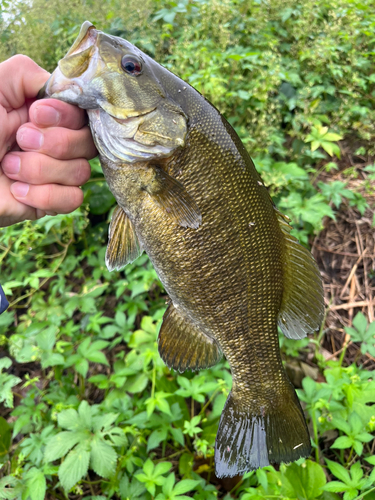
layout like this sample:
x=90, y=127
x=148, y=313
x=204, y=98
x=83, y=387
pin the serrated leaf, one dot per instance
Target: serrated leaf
x=61, y=443
x=84, y=412
x=74, y=468
x=103, y=458
x=36, y=484
x=68, y=419
x=103, y=421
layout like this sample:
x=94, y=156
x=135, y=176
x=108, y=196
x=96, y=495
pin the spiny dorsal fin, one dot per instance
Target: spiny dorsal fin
x=302, y=307
x=182, y=346
x=171, y=195
x=123, y=244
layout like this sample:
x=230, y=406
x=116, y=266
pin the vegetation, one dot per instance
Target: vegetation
x=89, y=409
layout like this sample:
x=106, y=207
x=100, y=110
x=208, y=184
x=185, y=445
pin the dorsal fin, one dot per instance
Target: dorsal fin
x=182, y=346
x=123, y=244
x=302, y=307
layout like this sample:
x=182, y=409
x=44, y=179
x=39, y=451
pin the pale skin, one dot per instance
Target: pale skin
x=45, y=146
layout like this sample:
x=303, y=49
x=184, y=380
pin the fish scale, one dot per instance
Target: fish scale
x=189, y=195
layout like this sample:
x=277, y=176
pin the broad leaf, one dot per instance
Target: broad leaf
x=103, y=458
x=74, y=467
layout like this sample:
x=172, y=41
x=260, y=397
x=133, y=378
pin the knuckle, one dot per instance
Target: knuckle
x=83, y=171
x=60, y=146
x=21, y=59
x=49, y=199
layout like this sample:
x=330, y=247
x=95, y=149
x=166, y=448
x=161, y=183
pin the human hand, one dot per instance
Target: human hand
x=43, y=177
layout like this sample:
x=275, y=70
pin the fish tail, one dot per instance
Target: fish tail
x=249, y=438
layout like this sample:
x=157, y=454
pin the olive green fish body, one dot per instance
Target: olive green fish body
x=189, y=195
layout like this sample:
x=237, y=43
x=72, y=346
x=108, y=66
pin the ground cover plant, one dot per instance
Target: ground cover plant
x=88, y=409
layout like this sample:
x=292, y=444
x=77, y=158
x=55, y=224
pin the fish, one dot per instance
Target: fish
x=188, y=194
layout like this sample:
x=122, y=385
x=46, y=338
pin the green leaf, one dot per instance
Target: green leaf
x=103, y=458
x=84, y=412
x=343, y=442
x=5, y=436
x=61, y=443
x=184, y=486
x=168, y=484
x=155, y=438
x=148, y=467
x=36, y=484
x=162, y=468
x=74, y=467
x=97, y=357
x=336, y=487
x=178, y=435
x=355, y=423
x=307, y=479
x=137, y=383
x=339, y=471
x=82, y=367
x=68, y=419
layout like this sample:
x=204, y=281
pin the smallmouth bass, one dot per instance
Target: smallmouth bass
x=189, y=195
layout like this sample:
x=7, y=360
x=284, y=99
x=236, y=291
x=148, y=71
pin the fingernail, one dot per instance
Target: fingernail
x=29, y=138
x=46, y=115
x=19, y=189
x=11, y=164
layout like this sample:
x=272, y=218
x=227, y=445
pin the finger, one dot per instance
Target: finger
x=36, y=168
x=57, y=142
x=21, y=78
x=54, y=113
x=11, y=210
x=48, y=197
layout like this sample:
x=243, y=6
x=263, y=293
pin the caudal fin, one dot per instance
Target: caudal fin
x=247, y=440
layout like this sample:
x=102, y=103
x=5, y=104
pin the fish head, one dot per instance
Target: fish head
x=132, y=117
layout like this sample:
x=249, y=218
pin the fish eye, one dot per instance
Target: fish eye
x=132, y=65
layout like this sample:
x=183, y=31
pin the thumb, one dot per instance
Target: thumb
x=20, y=79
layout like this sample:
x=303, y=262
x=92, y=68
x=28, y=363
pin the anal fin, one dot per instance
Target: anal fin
x=302, y=307
x=123, y=244
x=183, y=347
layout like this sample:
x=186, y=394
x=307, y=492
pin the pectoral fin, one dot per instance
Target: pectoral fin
x=182, y=346
x=302, y=307
x=123, y=244
x=171, y=195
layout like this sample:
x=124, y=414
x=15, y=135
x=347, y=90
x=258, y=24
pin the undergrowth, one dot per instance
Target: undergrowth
x=89, y=410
